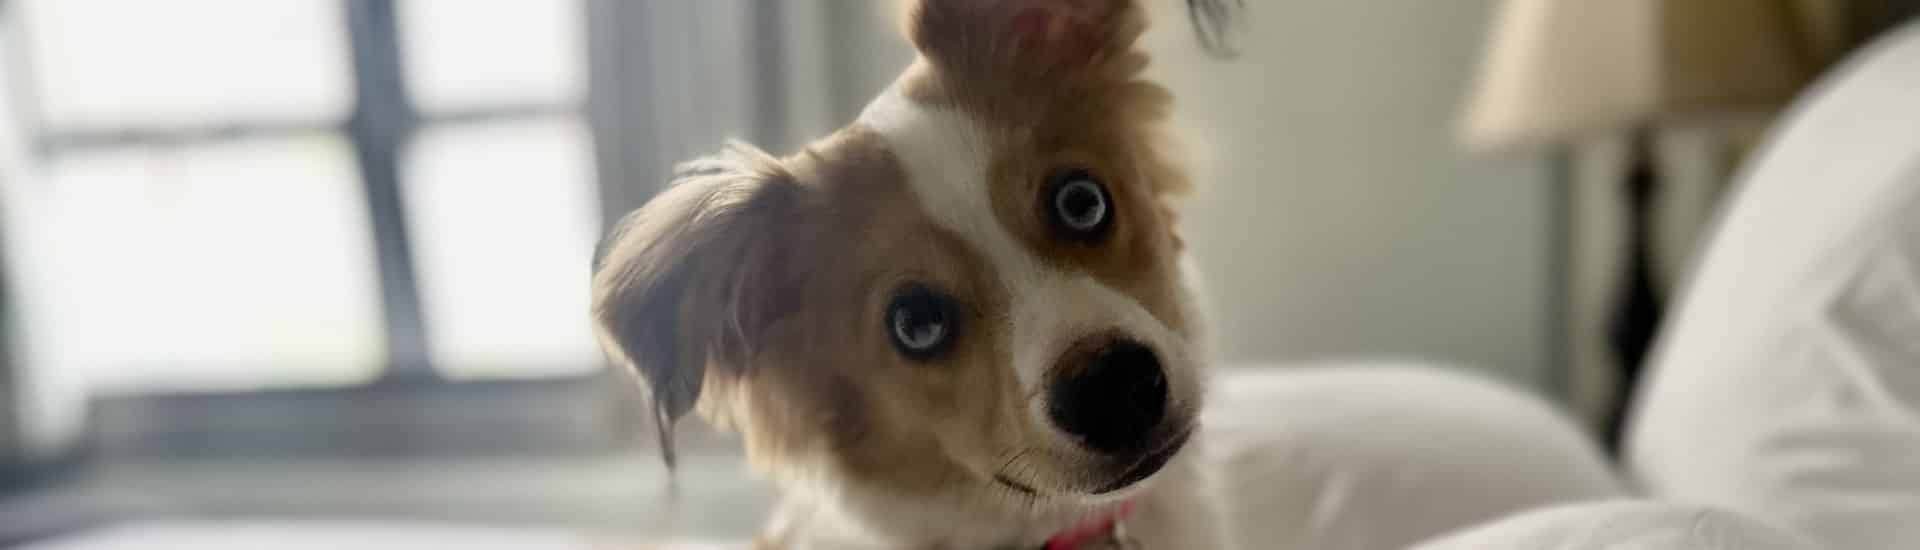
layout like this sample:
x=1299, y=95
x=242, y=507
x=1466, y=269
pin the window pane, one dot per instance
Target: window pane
x=503, y=218
x=225, y=266
x=463, y=54
x=116, y=63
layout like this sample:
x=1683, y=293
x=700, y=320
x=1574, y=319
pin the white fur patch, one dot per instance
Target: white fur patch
x=946, y=158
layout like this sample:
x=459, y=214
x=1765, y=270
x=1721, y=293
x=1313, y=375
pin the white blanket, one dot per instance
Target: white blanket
x=1788, y=385
x=1374, y=457
x=1623, y=525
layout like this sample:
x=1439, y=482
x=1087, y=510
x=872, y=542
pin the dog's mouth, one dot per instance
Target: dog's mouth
x=1144, y=467
x=1148, y=465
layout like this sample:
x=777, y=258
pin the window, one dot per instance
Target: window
x=462, y=54
x=102, y=65
x=499, y=185
x=154, y=233
x=218, y=265
x=505, y=220
x=236, y=195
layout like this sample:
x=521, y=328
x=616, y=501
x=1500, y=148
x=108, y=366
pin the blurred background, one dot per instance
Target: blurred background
x=329, y=258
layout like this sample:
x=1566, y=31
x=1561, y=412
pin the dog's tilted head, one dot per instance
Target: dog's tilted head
x=971, y=296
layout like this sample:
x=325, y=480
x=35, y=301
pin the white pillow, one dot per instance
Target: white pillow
x=1788, y=384
x=1372, y=457
x=1622, y=525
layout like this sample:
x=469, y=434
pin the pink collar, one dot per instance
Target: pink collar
x=1091, y=530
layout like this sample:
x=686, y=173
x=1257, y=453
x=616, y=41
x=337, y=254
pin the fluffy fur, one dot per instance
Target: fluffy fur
x=755, y=290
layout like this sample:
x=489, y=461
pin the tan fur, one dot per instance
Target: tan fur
x=682, y=281
x=825, y=384
x=757, y=286
x=1099, y=114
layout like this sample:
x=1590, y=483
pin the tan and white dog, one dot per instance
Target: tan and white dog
x=961, y=321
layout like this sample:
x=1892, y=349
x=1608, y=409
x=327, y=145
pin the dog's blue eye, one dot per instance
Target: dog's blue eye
x=1079, y=206
x=922, y=322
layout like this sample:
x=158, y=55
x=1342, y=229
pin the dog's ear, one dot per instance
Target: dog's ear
x=1001, y=38
x=690, y=278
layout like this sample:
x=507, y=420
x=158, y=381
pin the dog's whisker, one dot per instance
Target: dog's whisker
x=1014, y=456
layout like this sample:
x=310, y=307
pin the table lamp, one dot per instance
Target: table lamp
x=1559, y=72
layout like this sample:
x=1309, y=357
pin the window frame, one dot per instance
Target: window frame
x=409, y=409
x=739, y=69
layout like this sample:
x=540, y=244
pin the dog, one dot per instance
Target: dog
x=964, y=320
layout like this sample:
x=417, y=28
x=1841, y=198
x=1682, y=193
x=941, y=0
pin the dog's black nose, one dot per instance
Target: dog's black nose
x=1114, y=400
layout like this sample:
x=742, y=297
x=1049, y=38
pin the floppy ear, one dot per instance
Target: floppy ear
x=1000, y=38
x=688, y=279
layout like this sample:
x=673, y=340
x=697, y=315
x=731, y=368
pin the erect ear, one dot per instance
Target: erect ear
x=1001, y=38
x=691, y=277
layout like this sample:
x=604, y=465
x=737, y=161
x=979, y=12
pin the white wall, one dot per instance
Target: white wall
x=1335, y=218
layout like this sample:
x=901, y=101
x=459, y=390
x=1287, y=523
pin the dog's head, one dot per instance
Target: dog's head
x=972, y=295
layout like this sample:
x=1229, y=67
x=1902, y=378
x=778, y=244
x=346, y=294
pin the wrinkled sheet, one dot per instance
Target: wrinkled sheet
x=1787, y=386
x=1366, y=457
x=1622, y=525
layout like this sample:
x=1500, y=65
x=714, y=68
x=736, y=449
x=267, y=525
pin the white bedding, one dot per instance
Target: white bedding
x=1788, y=385
x=1622, y=525
x=1377, y=457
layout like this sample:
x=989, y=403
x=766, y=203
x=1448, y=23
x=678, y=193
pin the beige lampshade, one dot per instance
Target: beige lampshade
x=1559, y=70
